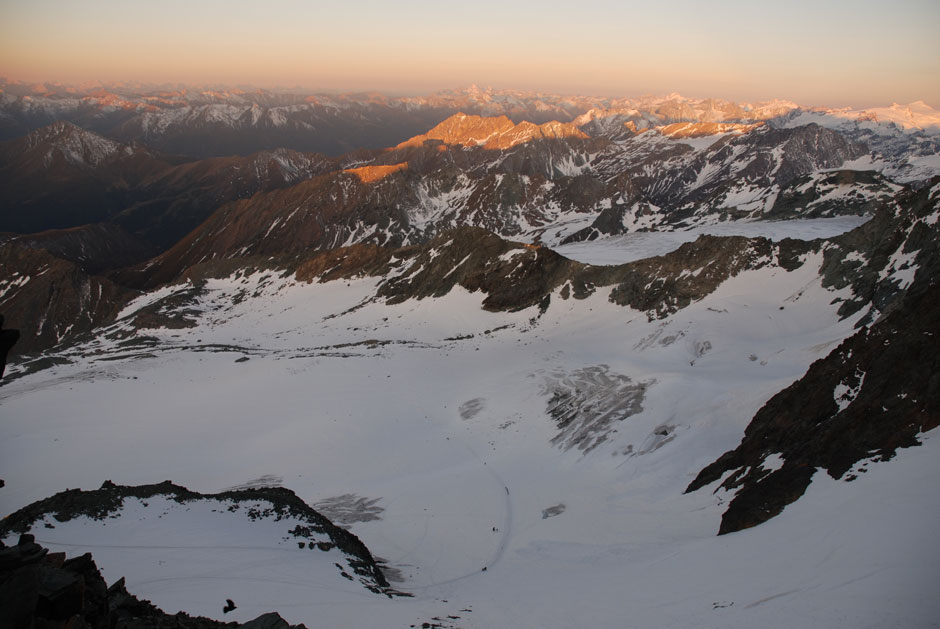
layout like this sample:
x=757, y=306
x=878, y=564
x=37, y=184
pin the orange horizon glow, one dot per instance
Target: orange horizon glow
x=733, y=51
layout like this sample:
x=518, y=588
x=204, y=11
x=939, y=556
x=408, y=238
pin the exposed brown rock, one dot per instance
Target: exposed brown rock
x=370, y=174
x=344, y=262
x=492, y=133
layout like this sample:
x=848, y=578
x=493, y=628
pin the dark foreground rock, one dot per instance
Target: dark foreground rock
x=45, y=590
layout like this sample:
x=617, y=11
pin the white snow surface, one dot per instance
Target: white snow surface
x=916, y=116
x=197, y=553
x=640, y=245
x=437, y=411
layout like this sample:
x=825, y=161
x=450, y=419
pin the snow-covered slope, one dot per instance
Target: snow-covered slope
x=521, y=469
x=912, y=118
x=646, y=244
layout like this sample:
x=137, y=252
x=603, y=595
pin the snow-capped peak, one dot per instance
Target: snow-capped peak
x=74, y=144
x=497, y=132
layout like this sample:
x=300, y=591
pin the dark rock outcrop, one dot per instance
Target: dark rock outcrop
x=8, y=338
x=663, y=285
x=514, y=276
x=832, y=193
x=477, y=260
x=867, y=260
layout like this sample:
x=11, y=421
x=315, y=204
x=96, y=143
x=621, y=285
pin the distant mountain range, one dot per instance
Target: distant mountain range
x=538, y=167
x=213, y=122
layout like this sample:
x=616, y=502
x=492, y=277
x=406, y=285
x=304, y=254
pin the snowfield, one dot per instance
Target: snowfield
x=640, y=245
x=429, y=427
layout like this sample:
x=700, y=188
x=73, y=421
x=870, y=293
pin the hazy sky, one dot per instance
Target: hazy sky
x=820, y=52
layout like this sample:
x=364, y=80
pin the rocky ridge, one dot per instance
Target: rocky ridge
x=276, y=503
x=515, y=276
x=492, y=132
x=548, y=183
x=657, y=183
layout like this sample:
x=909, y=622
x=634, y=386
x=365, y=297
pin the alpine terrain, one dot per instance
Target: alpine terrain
x=476, y=359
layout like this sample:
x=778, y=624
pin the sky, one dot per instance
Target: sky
x=821, y=52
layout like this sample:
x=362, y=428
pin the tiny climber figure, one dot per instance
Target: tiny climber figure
x=8, y=339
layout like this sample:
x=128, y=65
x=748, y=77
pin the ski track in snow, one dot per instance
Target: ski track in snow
x=505, y=532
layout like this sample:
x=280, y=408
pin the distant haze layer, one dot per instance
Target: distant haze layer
x=837, y=53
